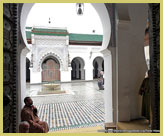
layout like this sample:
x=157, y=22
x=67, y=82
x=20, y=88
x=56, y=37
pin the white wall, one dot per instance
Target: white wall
x=35, y=77
x=66, y=75
x=88, y=54
x=108, y=99
x=131, y=59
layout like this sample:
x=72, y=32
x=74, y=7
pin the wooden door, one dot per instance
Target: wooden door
x=11, y=40
x=50, y=71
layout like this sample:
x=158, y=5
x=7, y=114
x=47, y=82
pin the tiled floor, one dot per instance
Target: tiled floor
x=81, y=106
x=96, y=129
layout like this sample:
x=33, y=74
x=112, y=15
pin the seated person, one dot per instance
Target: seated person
x=29, y=114
x=101, y=81
x=24, y=127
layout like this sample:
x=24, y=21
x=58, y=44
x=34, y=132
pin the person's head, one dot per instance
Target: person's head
x=28, y=101
x=101, y=72
x=24, y=127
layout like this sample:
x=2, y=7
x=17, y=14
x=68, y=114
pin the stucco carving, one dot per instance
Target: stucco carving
x=45, y=46
x=47, y=55
x=50, y=40
x=45, y=52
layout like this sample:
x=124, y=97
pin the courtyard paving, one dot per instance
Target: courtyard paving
x=81, y=105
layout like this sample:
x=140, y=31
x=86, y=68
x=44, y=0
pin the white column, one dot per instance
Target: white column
x=89, y=71
x=35, y=76
x=23, y=74
x=82, y=74
x=66, y=75
x=108, y=86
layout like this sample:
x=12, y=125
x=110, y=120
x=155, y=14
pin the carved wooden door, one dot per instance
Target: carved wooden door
x=50, y=71
x=10, y=42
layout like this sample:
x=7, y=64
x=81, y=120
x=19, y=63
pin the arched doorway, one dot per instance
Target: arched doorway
x=104, y=16
x=98, y=65
x=27, y=70
x=50, y=70
x=77, y=72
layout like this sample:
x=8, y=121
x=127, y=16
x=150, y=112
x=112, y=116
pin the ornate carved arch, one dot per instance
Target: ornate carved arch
x=43, y=57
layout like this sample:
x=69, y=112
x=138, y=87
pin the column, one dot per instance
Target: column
x=88, y=70
x=23, y=74
x=36, y=76
x=66, y=75
x=82, y=74
x=108, y=105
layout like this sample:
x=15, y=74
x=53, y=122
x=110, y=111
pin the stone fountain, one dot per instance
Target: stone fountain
x=51, y=88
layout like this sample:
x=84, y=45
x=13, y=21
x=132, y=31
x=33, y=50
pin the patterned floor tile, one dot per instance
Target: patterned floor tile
x=81, y=106
x=76, y=114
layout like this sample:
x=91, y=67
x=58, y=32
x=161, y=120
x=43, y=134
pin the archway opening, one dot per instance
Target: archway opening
x=102, y=11
x=77, y=72
x=98, y=65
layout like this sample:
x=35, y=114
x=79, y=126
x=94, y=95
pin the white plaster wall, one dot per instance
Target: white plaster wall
x=147, y=56
x=35, y=77
x=23, y=55
x=24, y=14
x=66, y=75
x=108, y=99
x=105, y=19
x=131, y=59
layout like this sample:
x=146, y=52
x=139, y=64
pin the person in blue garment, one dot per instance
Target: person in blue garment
x=101, y=81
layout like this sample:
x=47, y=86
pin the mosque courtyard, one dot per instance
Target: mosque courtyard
x=73, y=105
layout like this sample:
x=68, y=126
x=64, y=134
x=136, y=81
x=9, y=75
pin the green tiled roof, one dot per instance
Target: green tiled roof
x=28, y=34
x=85, y=37
x=28, y=27
x=49, y=30
x=42, y=31
x=63, y=32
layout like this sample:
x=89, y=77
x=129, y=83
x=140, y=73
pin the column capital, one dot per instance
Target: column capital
x=25, y=51
x=106, y=52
